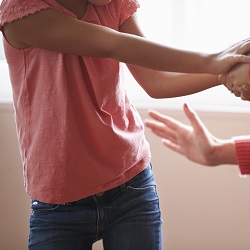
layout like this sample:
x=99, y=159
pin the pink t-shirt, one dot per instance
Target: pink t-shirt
x=242, y=147
x=78, y=132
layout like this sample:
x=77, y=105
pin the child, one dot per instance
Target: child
x=86, y=160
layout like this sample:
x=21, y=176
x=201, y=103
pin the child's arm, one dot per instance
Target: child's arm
x=52, y=30
x=160, y=84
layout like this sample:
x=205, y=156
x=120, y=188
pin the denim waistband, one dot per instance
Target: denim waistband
x=147, y=172
x=144, y=173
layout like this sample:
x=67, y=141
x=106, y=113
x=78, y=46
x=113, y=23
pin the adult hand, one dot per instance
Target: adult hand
x=194, y=142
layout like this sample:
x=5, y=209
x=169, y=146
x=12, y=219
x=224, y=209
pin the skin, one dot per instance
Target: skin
x=154, y=71
x=194, y=142
x=237, y=81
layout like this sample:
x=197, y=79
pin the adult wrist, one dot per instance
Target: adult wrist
x=225, y=152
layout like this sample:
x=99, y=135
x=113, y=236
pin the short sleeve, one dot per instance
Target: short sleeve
x=242, y=148
x=129, y=7
x=11, y=10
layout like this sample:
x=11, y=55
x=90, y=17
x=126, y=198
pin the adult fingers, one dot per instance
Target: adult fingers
x=167, y=120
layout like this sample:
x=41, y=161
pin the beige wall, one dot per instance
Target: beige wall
x=202, y=208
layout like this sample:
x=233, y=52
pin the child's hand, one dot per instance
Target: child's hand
x=245, y=92
x=237, y=81
x=235, y=54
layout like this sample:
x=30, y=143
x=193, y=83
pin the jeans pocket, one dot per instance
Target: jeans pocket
x=147, y=188
x=142, y=191
x=142, y=181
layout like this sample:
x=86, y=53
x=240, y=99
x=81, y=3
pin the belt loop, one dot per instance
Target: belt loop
x=123, y=187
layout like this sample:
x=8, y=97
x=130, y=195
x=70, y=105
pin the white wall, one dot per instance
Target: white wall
x=202, y=208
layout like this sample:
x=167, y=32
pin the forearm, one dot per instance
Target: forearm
x=166, y=84
x=224, y=152
x=140, y=51
x=179, y=84
x=233, y=151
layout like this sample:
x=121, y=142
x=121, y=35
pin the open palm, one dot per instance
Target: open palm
x=194, y=142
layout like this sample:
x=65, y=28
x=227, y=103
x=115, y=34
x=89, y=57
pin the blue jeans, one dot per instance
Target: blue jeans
x=127, y=217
